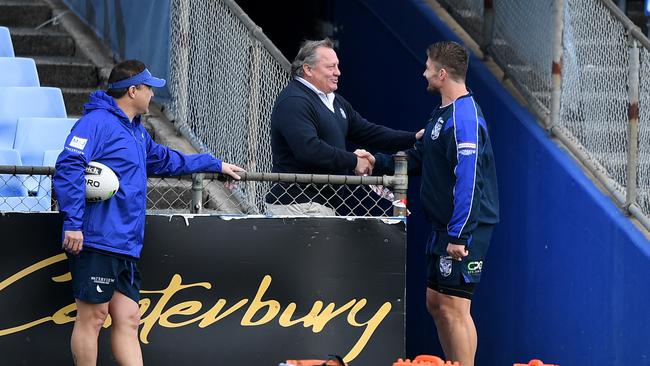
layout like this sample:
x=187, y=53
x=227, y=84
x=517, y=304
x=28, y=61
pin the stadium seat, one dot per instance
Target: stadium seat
x=35, y=135
x=11, y=185
x=18, y=71
x=44, y=192
x=16, y=102
x=6, y=47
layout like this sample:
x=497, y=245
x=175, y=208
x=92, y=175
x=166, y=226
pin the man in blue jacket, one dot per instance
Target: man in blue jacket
x=310, y=126
x=104, y=239
x=459, y=196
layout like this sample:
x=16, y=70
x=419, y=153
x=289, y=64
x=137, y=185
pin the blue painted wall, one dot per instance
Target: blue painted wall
x=567, y=278
x=132, y=29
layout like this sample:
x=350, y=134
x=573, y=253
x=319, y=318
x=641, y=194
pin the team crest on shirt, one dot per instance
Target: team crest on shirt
x=445, y=266
x=436, y=129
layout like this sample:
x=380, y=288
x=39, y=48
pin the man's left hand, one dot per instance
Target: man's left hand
x=457, y=251
x=419, y=134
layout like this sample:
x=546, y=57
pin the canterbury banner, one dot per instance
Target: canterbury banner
x=220, y=291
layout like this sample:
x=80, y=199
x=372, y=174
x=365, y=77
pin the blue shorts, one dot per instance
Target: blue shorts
x=96, y=276
x=452, y=277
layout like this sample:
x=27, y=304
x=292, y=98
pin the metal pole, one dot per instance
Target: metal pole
x=401, y=184
x=556, y=67
x=197, y=193
x=633, y=121
x=488, y=25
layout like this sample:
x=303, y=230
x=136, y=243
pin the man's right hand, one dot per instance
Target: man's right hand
x=365, y=162
x=73, y=241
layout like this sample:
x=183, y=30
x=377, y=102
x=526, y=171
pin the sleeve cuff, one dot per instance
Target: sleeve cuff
x=457, y=241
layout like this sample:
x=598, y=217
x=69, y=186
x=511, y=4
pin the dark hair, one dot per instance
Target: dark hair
x=450, y=56
x=121, y=71
x=307, y=55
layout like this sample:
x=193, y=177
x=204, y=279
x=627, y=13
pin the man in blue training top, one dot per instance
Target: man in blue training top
x=459, y=196
x=104, y=239
x=310, y=126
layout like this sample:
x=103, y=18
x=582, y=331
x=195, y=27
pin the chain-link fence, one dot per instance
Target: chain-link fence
x=224, y=77
x=585, y=70
x=29, y=189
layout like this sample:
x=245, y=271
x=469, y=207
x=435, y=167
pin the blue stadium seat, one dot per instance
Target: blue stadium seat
x=44, y=193
x=35, y=135
x=11, y=185
x=18, y=101
x=6, y=47
x=18, y=71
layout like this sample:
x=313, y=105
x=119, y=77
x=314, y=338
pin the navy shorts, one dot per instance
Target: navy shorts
x=96, y=276
x=452, y=277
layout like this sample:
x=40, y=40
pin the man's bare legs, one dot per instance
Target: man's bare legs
x=125, y=314
x=456, y=329
x=90, y=318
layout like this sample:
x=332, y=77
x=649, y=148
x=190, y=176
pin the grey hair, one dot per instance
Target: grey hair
x=307, y=55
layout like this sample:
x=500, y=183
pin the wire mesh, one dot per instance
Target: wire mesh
x=223, y=83
x=643, y=169
x=522, y=44
x=469, y=14
x=25, y=193
x=169, y=195
x=593, y=103
x=594, y=91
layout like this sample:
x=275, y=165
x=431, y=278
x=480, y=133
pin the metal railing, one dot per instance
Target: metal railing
x=584, y=69
x=29, y=189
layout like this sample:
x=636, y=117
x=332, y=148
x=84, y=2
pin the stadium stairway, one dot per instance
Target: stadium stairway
x=588, y=128
x=35, y=33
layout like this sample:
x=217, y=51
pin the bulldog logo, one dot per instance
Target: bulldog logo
x=445, y=266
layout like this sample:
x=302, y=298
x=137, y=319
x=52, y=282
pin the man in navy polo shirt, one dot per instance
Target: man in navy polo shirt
x=310, y=126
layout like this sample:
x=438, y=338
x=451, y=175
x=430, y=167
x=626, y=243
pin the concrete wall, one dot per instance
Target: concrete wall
x=566, y=279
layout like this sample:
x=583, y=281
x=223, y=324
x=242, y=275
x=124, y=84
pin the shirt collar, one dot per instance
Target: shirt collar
x=329, y=96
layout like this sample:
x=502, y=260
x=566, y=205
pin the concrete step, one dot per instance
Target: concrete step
x=23, y=13
x=48, y=41
x=75, y=98
x=70, y=72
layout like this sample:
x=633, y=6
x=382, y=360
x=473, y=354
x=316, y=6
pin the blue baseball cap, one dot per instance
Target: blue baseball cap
x=144, y=77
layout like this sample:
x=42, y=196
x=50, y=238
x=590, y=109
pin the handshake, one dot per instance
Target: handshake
x=365, y=162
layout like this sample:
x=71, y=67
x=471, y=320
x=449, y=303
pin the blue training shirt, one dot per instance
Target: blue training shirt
x=105, y=134
x=455, y=158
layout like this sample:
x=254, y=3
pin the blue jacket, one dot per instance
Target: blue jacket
x=459, y=182
x=105, y=134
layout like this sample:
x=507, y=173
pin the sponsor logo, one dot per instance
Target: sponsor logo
x=467, y=145
x=102, y=280
x=78, y=142
x=445, y=266
x=343, y=113
x=436, y=129
x=93, y=170
x=99, y=289
x=160, y=306
x=475, y=267
x=76, y=151
x=466, y=148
